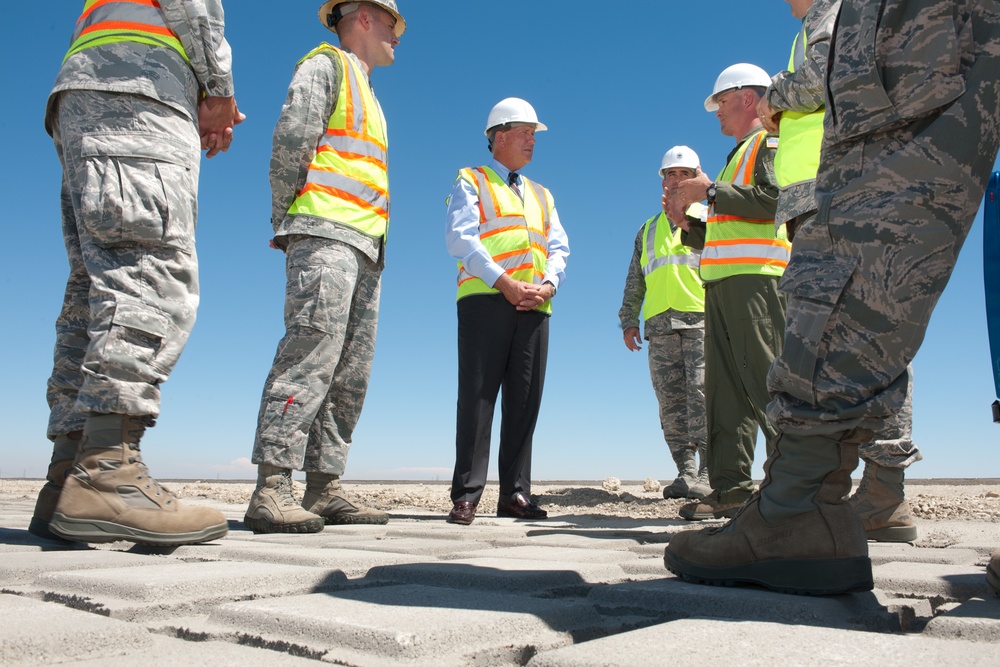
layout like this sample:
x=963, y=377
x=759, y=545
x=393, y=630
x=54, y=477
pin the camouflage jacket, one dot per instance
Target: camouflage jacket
x=312, y=98
x=154, y=71
x=803, y=91
x=635, y=294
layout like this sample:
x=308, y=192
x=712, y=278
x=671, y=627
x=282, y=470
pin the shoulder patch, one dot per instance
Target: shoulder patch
x=772, y=142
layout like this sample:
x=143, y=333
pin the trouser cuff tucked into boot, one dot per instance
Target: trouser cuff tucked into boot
x=273, y=507
x=880, y=501
x=324, y=496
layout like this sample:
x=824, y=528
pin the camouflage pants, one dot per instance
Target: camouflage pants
x=129, y=206
x=893, y=447
x=895, y=207
x=677, y=370
x=316, y=388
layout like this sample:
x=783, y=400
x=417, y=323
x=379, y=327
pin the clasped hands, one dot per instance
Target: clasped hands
x=522, y=295
x=679, y=196
x=216, y=118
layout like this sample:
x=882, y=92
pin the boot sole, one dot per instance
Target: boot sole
x=356, y=520
x=822, y=576
x=706, y=516
x=98, y=532
x=892, y=534
x=262, y=526
x=40, y=528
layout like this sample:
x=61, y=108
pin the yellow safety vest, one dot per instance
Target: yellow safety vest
x=111, y=21
x=735, y=246
x=797, y=159
x=670, y=269
x=514, y=232
x=348, y=178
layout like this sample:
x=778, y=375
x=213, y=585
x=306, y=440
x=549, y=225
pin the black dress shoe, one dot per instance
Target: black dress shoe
x=519, y=506
x=463, y=512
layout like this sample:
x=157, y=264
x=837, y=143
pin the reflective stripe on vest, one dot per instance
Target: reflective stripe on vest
x=112, y=21
x=736, y=246
x=348, y=179
x=515, y=233
x=671, y=271
x=797, y=159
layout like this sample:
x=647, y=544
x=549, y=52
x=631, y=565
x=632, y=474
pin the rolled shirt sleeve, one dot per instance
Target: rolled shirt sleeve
x=200, y=27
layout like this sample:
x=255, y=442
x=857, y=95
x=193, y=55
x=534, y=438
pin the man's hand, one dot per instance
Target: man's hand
x=522, y=295
x=769, y=118
x=676, y=214
x=689, y=191
x=216, y=118
x=632, y=339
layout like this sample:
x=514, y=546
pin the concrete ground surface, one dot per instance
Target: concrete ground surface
x=582, y=588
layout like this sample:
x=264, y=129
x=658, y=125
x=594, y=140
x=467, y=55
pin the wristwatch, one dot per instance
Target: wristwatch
x=552, y=285
x=710, y=192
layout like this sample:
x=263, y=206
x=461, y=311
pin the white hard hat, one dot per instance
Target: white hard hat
x=512, y=110
x=679, y=156
x=332, y=11
x=735, y=76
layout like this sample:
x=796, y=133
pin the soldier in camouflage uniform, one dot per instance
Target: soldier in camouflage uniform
x=911, y=133
x=674, y=317
x=125, y=113
x=795, y=101
x=330, y=213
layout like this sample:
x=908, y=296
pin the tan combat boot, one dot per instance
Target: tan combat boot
x=880, y=501
x=324, y=496
x=109, y=495
x=273, y=508
x=688, y=483
x=64, y=451
x=797, y=534
x=993, y=572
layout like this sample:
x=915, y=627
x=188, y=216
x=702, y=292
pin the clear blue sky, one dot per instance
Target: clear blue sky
x=616, y=88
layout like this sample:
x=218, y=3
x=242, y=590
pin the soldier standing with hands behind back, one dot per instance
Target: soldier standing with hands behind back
x=330, y=213
x=663, y=284
x=140, y=83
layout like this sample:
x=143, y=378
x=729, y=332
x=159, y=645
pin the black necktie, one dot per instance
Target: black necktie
x=512, y=182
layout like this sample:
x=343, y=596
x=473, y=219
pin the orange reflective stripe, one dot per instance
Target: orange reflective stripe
x=123, y=25
x=744, y=260
x=510, y=253
x=732, y=218
x=357, y=135
x=727, y=242
x=354, y=157
x=337, y=192
x=493, y=196
x=101, y=3
x=500, y=230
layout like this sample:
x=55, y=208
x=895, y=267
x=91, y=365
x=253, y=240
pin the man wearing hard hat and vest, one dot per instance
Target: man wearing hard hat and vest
x=909, y=142
x=742, y=258
x=511, y=249
x=144, y=87
x=663, y=285
x=330, y=213
x=794, y=106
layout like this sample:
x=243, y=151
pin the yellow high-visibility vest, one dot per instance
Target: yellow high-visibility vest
x=737, y=246
x=797, y=159
x=111, y=21
x=514, y=232
x=348, y=178
x=670, y=269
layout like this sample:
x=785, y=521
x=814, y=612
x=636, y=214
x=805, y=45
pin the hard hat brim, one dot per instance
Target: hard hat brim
x=327, y=7
x=539, y=127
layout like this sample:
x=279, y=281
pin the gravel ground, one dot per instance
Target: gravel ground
x=611, y=497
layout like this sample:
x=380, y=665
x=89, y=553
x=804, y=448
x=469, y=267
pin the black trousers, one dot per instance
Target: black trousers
x=498, y=346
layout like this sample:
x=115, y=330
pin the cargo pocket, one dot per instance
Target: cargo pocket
x=281, y=420
x=814, y=283
x=140, y=189
x=315, y=298
x=139, y=346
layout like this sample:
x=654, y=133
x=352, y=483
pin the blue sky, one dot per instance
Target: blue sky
x=616, y=88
